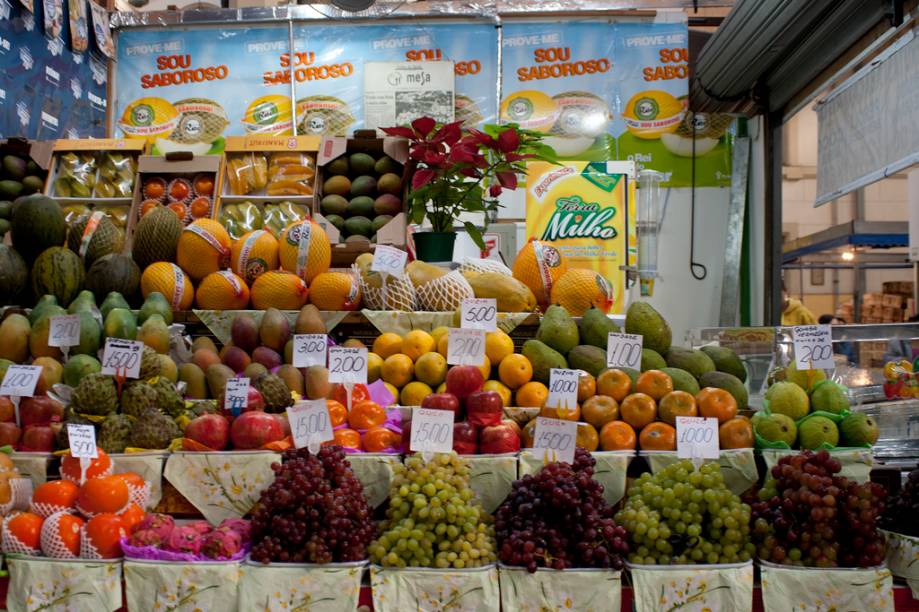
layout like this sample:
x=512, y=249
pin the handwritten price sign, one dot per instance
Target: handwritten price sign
x=310, y=424
x=347, y=365
x=20, y=380
x=563, y=389
x=388, y=260
x=696, y=437
x=479, y=313
x=813, y=347
x=82, y=441
x=556, y=438
x=122, y=357
x=624, y=351
x=432, y=430
x=65, y=331
x=236, y=395
x=466, y=347
x=310, y=350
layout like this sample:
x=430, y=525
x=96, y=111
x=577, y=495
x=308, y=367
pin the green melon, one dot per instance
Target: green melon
x=156, y=237
x=113, y=273
x=37, y=225
x=14, y=275
x=58, y=271
x=104, y=240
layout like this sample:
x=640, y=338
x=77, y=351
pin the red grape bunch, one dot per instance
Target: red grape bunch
x=558, y=518
x=902, y=510
x=313, y=512
x=810, y=516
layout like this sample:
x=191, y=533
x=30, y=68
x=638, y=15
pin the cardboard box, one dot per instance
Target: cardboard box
x=904, y=288
x=870, y=299
x=893, y=300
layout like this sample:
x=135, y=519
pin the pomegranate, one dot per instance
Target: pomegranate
x=211, y=430
x=252, y=430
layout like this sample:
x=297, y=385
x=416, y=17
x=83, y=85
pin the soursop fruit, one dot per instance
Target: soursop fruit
x=115, y=433
x=137, y=398
x=154, y=430
x=201, y=408
x=168, y=399
x=96, y=394
x=149, y=364
x=275, y=393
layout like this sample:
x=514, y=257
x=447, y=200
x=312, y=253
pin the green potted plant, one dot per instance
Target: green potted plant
x=462, y=171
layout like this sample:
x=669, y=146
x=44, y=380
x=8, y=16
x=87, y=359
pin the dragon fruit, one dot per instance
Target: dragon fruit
x=146, y=537
x=202, y=527
x=222, y=543
x=184, y=539
x=163, y=524
x=240, y=526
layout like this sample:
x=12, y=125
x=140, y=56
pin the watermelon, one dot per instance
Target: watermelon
x=37, y=225
x=59, y=272
x=115, y=272
x=14, y=275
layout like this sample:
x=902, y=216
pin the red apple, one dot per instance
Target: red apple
x=407, y=437
x=7, y=409
x=211, y=430
x=252, y=430
x=38, y=438
x=442, y=401
x=38, y=410
x=513, y=425
x=9, y=433
x=465, y=438
x=499, y=438
x=463, y=380
x=484, y=408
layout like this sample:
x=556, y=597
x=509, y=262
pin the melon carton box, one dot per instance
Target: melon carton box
x=366, y=201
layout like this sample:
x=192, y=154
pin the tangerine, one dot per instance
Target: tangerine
x=716, y=403
x=736, y=433
x=587, y=386
x=498, y=345
x=102, y=537
x=528, y=433
x=532, y=395
x=54, y=496
x=515, y=371
x=366, y=414
x=676, y=404
x=397, y=369
x=374, y=367
x=587, y=437
x=617, y=435
x=413, y=393
x=338, y=414
x=100, y=466
x=431, y=368
x=600, y=410
x=657, y=436
x=105, y=494
x=654, y=383
x=132, y=516
x=638, y=410
x=378, y=439
x=339, y=393
x=387, y=344
x=614, y=383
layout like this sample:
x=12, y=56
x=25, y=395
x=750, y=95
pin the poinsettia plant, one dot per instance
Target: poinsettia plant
x=465, y=170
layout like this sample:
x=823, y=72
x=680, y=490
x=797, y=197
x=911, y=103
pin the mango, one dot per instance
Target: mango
x=244, y=332
x=203, y=342
x=217, y=377
x=316, y=382
x=309, y=321
x=204, y=358
x=14, y=338
x=120, y=323
x=195, y=382
x=274, y=330
x=587, y=357
x=168, y=368
x=155, y=334
x=51, y=373
x=292, y=378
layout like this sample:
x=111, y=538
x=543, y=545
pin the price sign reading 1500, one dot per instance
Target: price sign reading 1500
x=556, y=438
x=347, y=365
x=310, y=423
x=122, y=357
x=624, y=351
x=432, y=430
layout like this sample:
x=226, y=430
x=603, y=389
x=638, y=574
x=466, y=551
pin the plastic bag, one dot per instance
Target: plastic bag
x=291, y=174
x=246, y=173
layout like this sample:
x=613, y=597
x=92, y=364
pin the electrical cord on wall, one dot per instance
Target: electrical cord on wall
x=698, y=270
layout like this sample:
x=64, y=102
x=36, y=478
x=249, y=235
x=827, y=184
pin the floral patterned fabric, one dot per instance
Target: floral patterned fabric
x=434, y=590
x=856, y=462
x=490, y=476
x=221, y=485
x=693, y=588
x=159, y=586
x=148, y=465
x=375, y=471
x=738, y=466
x=826, y=590
x=903, y=558
x=610, y=470
x=284, y=587
x=551, y=591
x=74, y=586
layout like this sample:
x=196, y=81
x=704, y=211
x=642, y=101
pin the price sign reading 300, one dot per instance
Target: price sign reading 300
x=309, y=350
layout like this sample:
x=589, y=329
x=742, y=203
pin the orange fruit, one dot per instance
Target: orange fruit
x=413, y=393
x=377, y=439
x=532, y=395
x=676, y=404
x=587, y=437
x=655, y=383
x=443, y=343
x=716, y=403
x=657, y=436
x=387, y=344
x=527, y=434
x=254, y=254
x=397, y=369
x=539, y=265
x=25, y=529
x=222, y=290
x=170, y=280
x=498, y=345
x=203, y=185
x=416, y=343
x=179, y=209
x=338, y=414
x=148, y=205
x=366, y=414
x=736, y=433
x=335, y=291
x=617, y=435
x=280, y=289
x=559, y=412
x=315, y=245
x=600, y=410
x=359, y=393
x=204, y=248
x=485, y=368
x=515, y=370
x=102, y=537
x=638, y=410
x=614, y=383
x=587, y=386
x=100, y=466
x=54, y=496
x=138, y=491
x=103, y=494
x=132, y=516
x=578, y=290
x=431, y=368
x=60, y=536
x=345, y=437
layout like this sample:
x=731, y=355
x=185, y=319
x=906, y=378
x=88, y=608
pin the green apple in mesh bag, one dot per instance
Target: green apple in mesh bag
x=858, y=429
x=829, y=397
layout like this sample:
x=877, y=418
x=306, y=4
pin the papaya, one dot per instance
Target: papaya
x=120, y=323
x=510, y=293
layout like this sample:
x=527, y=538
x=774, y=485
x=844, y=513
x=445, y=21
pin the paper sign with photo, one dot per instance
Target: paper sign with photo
x=79, y=25
x=396, y=93
x=101, y=30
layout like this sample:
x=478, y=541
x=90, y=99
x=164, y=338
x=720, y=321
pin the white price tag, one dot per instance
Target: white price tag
x=82, y=441
x=479, y=313
x=122, y=357
x=696, y=437
x=624, y=351
x=347, y=365
x=432, y=430
x=813, y=347
x=65, y=331
x=563, y=389
x=557, y=439
x=310, y=424
x=20, y=380
x=466, y=347
x=310, y=350
x=236, y=395
x=388, y=260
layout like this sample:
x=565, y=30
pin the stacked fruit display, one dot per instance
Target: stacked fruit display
x=433, y=518
x=245, y=217
x=806, y=411
x=900, y=379
x=366, y=426
x=533, y=528
x=313, y=512
x=158, y=537
x=83, y=515
x=810, y=516
x=685, y=515
x=189, y=198
x=361, y=194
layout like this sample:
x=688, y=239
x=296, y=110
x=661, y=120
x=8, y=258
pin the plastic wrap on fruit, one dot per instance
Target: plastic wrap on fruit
x=76, y=175
x=274, y=220
x=246, y=173
x=294, y=212
x=116, y=175
x=72, y=213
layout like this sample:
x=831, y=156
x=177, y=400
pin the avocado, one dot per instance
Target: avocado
x=726, y=360
x=363, y=186
x=361, y=206
x=338, y=166
x=359, y=226
x=682, y=380
x=642, y=319
x=558, y=330
x=361, y=163
x=14, y=168
x=696, y=363
x=595, y=328
x=728, y=382
x=589, y=358
x=10, y=190
x=651, y=360
x=32, y=184
x=4, y=227
x=333, y=204
x=6, y=209
x=543, y=359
